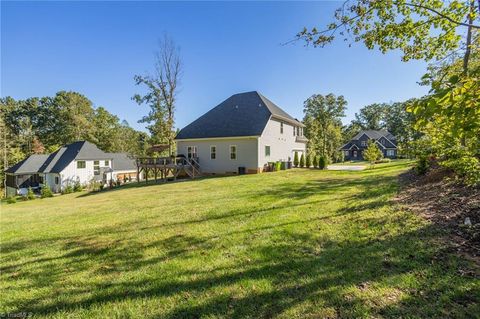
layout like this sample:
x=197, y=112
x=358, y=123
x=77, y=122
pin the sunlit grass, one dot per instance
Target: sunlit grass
x=298, y=243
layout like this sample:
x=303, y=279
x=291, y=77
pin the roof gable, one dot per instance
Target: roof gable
x=243, y=114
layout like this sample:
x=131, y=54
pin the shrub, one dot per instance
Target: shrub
x=465, y=167
x=295, y=159
x=322, y=162
x=11, y=199
x=302, y=160
x=46, y=191
x=383, y=160
x=77, y=187
x=68, y=189
x=278, y=166
x=30, y=194
x=422, y=165
x=315, y=161
x=307, y=161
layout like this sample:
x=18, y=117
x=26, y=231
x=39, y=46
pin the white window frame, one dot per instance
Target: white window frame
x=281, y=127
x=355, y=154
x=107, y=163
x=192, y=151
x=294, y=129
x=96, y=171
x=84, y=164
x=235, y=153
x=214, y=147
x=347, y=153
x=269, y=150
x=390, y=152
x=363, y=143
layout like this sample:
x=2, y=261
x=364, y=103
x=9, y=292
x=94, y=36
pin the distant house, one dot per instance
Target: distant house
x=245, y=131
x=353, y=150
x=79, y=161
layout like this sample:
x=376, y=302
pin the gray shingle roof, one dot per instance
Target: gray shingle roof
x=29, y=165
x=123, y=162
x=81, y=150
x=243, y=114
x=374, y=134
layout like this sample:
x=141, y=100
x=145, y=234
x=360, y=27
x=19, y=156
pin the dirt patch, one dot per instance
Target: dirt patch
x=448, y=204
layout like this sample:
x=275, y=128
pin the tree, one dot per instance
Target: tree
x=323, y=123
x=421, y=29
x=76, y=118
x=162, y=92
x=302, y=161
x=295, y=159
x=30, y=194
x=308, y=161
x=37, y=146
x=372, y=153
x=372, y=117
x=46, y=191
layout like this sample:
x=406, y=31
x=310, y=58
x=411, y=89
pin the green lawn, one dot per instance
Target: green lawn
x=290, y=244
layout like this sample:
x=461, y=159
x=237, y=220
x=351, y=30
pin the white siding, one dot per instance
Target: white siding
x=72, y=174
x=247, y=154
x=282, y=146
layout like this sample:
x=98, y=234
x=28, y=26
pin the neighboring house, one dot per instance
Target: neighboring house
x=353, y=150
x=246, y=130
x=76, y=162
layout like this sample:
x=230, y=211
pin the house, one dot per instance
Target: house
x=80, y=162
x=244, y=132
x=353, y=150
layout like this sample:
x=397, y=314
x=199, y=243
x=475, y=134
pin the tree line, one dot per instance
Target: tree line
x=40, y=125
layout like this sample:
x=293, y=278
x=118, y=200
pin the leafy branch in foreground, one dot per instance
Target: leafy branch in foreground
x=422, y=29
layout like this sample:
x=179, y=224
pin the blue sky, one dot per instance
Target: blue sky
x=96, y=48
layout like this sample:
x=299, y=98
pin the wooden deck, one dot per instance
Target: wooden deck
x=164, y=168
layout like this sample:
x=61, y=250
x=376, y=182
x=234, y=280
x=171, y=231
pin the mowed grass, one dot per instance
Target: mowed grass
x=290, y=244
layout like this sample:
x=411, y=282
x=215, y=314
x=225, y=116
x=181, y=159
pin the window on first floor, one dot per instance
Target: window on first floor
x=96, y=167
x=354, y=153
x=233, y=152
x=107, y=163
x=390, y=152
x=346, y=153
x=81, y=164
x=191, y=151
x=56, y=180
x=267, y=150
x=213, y=152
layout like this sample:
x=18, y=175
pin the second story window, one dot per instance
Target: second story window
x=267, y=150
x=298, y=130
x=107, y=163
x=281, y=127
x=363, y=143
x=294, y=131
x=81, y=164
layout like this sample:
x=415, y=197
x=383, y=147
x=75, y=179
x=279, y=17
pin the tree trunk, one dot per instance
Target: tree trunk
x=466, y=57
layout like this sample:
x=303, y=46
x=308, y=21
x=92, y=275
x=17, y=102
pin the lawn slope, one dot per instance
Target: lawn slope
x=297, y=243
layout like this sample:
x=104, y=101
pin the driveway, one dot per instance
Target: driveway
x=346, y=167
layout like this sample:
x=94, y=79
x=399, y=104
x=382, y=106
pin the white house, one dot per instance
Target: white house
x=245, y=131
x=80, y=161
